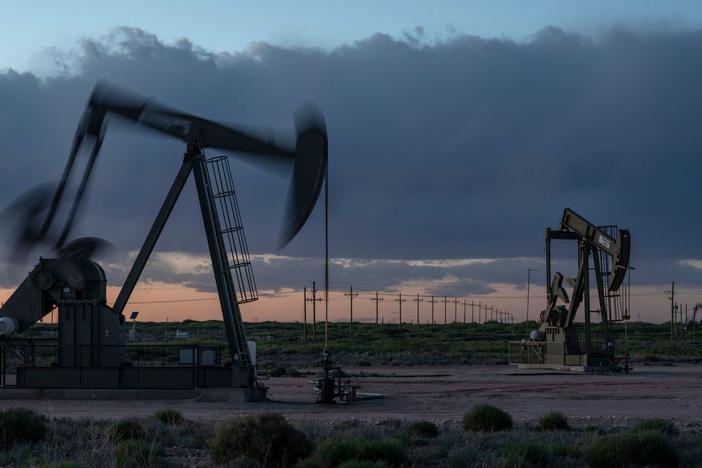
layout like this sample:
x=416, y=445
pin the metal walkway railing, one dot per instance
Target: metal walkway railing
x=231, y=228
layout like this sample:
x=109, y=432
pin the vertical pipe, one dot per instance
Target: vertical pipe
x=326, y=254
x=585, y=269
x=314, y=311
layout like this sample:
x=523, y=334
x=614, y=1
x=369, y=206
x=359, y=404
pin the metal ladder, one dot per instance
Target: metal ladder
x=231, y=228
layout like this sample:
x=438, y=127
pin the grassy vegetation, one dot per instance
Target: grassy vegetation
x=647, y=448
x=19, y=425
x=268, y=440
x=281, y=349
x=657, y=425
x=138, y=453
x=169, y=416
x=126, y=429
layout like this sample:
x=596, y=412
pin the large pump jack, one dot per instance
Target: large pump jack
x=91, y=350
x=557, y=343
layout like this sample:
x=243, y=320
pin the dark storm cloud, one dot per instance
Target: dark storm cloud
x=459, y=149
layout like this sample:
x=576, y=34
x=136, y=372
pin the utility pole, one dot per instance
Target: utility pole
x=445, y=313
x=376, y=299
x=455, y=309
x=485, y=314
x=304, y=314
x=464, y=309
x=350, y=295
x=694, y=321
x=433, y=301
x=400, y=300
x=685, y=324
x=492, y=313
x=314, y=301
x=672, y=310
x=418, y=300
x=529, y=270
x=480, y=308
x=472, y=312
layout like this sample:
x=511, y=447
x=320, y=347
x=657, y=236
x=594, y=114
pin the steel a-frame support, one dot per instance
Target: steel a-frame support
x=233, y=323
x=194, y=161
x=581, y=288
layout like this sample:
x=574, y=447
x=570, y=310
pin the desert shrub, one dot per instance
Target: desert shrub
x=169, y=416
x=426, y=429
x=276, y=371
x=125, y=429
x=132, y=453
x=334, y=453
x=523, y=454
x=553, y=421
x=21, y=425
x=486, y=418
x=631, y=449
x=657, y=425
x=267, y=438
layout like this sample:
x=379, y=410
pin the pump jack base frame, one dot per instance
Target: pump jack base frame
x=538, y=355
x=200, y=395
x=132, y=383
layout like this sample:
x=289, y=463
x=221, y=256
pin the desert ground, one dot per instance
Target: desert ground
x=440, y=394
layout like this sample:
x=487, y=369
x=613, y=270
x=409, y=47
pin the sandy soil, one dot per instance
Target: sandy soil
x=441, y=394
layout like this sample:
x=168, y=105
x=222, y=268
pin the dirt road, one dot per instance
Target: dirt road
x=440, y=394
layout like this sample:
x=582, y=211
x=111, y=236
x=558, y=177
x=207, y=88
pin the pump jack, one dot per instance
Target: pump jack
x=557, y=344
x=91, y=350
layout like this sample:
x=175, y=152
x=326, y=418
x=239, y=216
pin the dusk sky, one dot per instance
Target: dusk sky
x=457, y=134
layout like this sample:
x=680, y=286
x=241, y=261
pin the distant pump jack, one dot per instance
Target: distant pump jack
x=557, y=344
